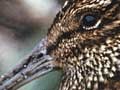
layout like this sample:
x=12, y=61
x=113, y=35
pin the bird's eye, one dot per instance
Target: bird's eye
x=90, y=21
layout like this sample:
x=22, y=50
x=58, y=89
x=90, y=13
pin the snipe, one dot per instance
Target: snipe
x=84, y=42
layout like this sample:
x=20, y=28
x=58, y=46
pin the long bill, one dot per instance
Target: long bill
x=33, y=66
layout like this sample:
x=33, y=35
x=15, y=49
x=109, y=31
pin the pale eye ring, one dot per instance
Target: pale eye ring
x=90, y=21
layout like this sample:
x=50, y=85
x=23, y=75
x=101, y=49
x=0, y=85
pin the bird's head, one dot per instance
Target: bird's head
x=85, y=41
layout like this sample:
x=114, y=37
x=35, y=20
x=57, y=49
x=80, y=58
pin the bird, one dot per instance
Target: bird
x=83, y=42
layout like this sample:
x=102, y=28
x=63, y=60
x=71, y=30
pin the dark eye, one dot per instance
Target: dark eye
x=90, y=21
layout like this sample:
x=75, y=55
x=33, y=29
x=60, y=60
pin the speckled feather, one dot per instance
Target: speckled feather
x=88, y=56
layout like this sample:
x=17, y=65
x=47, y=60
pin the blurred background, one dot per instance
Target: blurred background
x=22, y=25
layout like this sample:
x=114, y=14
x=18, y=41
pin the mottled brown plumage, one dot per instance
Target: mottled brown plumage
x=85, y=40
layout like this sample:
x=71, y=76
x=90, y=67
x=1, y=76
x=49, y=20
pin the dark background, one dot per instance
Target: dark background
x=22, y=24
